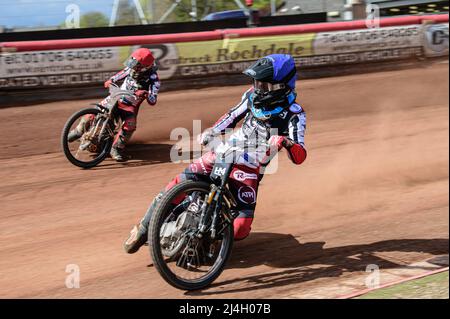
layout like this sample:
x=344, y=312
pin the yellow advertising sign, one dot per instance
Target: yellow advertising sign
x=243, y=49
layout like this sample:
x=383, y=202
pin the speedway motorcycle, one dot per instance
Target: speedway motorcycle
x=98, y=125
x=191, y=229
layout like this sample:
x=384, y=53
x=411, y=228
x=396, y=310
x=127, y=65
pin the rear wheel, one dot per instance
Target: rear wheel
x=185, y=261
x=80, y=141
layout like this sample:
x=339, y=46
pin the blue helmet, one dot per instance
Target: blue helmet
x=274, y=79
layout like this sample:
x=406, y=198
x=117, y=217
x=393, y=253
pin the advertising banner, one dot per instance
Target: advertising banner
x=59, y=67
x=367, y=45
x=231, y=55
x=75, y=67
x=359, y=57
x=368, y=40
x=180, y=60
x=234, y=55
x=436, y=39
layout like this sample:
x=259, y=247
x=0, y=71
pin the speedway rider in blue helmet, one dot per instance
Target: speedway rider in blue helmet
x=269, y=109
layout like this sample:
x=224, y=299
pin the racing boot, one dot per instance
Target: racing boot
x=137, y=238
x=82, y=127
x=138, y=235
x=118, y=147
x=117, y=154
x=74, y=135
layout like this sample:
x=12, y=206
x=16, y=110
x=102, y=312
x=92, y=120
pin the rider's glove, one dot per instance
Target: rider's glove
x=281, y=141
x=152, y=99
x=108, y=83
x=206, y=137
x=141, y=94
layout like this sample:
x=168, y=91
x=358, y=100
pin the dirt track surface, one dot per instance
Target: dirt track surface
x=374, y=190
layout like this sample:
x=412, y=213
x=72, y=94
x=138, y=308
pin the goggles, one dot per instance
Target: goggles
x=135, y=65
x=266, y=87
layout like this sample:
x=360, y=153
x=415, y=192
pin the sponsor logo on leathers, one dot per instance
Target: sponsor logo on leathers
x=242, y=176
x=247, y=194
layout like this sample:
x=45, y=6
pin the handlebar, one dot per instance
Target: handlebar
x=116, y=93
x=115, y=90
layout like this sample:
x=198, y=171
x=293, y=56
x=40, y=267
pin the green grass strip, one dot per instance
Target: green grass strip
x=430, y=287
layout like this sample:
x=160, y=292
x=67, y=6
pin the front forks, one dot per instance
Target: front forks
x=211, y=209
x=97, y=132
x=209, y=227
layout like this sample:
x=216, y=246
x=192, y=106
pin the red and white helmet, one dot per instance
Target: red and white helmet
x=140, y=61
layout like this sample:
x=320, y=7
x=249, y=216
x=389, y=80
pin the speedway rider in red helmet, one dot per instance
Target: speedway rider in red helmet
x=271, y=117
x=139, y=76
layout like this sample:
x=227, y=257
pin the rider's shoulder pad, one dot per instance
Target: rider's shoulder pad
x=247, y=94
x=296, y=108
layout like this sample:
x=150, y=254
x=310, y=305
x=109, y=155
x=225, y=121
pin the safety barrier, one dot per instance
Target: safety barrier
x=87, y=62
x=213, y=35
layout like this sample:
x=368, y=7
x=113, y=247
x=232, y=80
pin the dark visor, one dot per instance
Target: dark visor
x=267, y=87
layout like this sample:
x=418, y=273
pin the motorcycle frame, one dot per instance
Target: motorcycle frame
x=110, y=110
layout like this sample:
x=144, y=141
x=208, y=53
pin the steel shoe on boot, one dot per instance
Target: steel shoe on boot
x=117, y=154
x=138, y=237
x=74, y=135
x=82, y=127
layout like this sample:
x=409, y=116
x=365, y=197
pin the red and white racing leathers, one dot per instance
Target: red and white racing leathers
x=128, y=111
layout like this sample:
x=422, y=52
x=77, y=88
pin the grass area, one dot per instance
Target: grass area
x=430, y=287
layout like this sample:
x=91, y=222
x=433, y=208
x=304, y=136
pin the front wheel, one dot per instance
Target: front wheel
x=80, y=139
x=183, y=260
